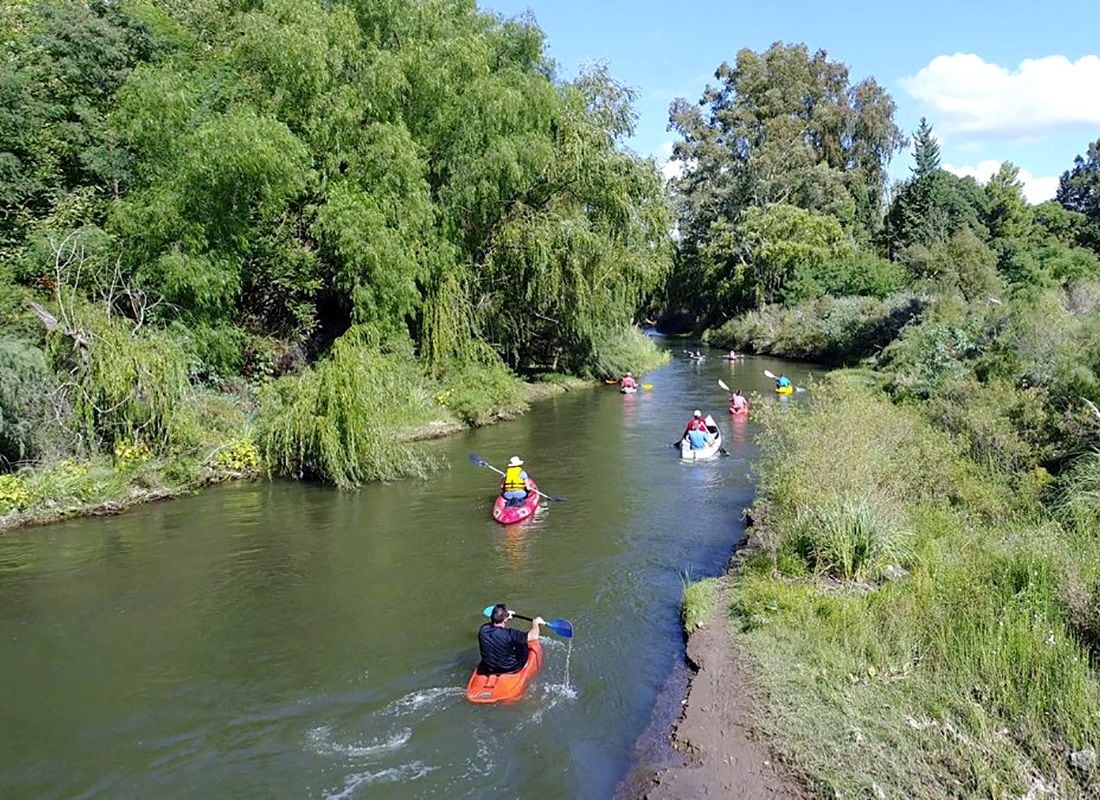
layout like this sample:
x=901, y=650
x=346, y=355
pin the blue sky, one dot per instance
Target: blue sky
x=1010, y=80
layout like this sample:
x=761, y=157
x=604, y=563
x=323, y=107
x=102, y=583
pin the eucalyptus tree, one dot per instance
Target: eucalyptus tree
x=781, y=127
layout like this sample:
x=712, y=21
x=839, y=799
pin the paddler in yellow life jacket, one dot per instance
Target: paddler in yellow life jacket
x=514, y=485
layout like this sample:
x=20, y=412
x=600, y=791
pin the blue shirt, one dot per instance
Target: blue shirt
x=698, y=440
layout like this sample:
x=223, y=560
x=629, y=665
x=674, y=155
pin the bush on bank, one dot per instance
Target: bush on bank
x=828, y=330
x=923, y=627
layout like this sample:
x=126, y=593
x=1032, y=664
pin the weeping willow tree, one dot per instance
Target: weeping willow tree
x=335, y=421
x=120, y=384
x=355, y=181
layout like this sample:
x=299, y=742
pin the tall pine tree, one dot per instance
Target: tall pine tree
x=926, y=151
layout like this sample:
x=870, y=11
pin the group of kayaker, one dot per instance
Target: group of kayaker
x=507, y=651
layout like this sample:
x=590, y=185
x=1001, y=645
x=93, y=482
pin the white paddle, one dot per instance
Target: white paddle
x=773, y=376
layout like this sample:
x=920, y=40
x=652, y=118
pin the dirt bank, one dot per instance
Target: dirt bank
x=724, y=757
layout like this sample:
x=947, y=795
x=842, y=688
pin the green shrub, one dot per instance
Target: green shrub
x=125, y=386
x=14, y=495
x=626, y=350
x=829, y=330
x=236, y=456
x=852, y=537
x=1078, y=498
x=480, y=392
x=698, y=603
x=337, y=421
x=25, y=382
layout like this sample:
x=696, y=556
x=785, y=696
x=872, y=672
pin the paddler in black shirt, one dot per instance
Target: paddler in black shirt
x=504, y=649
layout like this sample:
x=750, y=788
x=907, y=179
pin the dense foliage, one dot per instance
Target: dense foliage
x=215, y=192
x=927, y=582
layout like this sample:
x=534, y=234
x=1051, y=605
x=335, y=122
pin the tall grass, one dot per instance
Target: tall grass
x=698, y=603
x=966, y=675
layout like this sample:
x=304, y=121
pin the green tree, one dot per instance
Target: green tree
x=926, y=150
x=1079, y=190
x=784, y=127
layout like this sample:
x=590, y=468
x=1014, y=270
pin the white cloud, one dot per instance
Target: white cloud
x=671, y=168
x=1037, y=188
x=967, y=94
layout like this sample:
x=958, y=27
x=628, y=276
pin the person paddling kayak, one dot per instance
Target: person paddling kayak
x=504, y=649
x=514, y=484
x=697, y=423
x=738, y=404
x=628, y=382
x=782, y=384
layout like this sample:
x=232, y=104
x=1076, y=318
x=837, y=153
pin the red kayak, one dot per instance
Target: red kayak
x=508, y=687
x=742, y=412
x=508, y=514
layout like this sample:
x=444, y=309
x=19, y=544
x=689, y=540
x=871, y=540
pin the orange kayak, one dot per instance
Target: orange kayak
x=505, y=688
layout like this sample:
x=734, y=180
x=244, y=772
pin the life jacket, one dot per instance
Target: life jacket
x=513, y=480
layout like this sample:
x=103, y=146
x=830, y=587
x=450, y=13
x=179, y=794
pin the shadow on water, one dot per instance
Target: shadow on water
x=282, y=640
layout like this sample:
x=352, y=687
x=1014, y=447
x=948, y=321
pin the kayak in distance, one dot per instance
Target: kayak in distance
x=506, y=688
x=510, y=512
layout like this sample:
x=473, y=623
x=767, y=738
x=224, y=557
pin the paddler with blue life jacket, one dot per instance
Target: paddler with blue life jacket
x=513, y=487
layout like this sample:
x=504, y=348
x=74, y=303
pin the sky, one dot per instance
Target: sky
x=1010, y=80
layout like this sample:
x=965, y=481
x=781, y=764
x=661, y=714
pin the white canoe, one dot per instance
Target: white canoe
x=710, y=451
x=628, y=389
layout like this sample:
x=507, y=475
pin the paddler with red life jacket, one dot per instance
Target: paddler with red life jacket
x=514, y=485
x=697, y=423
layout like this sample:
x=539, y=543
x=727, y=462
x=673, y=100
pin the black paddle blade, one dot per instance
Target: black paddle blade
x=477, y=460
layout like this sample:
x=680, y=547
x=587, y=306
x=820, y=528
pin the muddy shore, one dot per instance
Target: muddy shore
x=720, y=751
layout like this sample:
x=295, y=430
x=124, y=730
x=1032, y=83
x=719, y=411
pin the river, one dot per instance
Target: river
x=275, y=640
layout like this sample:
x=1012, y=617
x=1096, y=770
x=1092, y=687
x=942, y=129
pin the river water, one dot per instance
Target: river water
x=275, y=640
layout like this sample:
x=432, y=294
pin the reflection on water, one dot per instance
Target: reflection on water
x=281, y=640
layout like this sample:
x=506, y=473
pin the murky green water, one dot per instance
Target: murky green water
x=280, y=640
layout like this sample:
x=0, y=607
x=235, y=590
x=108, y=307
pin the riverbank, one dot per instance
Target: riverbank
x=109, y=486
x=915, y=624
x=718, y=733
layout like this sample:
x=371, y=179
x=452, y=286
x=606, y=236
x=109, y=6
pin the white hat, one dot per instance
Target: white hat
x=698, y=413
x=515, y=461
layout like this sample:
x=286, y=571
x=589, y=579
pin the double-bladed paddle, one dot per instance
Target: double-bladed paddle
x=773, y=376
x=478, y=461
x=562, y=627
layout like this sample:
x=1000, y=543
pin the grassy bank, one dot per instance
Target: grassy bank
x=827, y=330
x=132, y=475
x=698, y=603
x=922, y=624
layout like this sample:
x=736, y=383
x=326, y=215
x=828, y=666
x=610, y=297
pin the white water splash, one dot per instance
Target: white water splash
x=320, y=739
x=415, y=701
x=403, y=773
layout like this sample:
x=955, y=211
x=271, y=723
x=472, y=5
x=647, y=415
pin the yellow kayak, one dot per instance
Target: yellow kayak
x=784, y=390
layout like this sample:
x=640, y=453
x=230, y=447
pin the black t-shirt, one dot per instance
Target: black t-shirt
x=502, y=649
